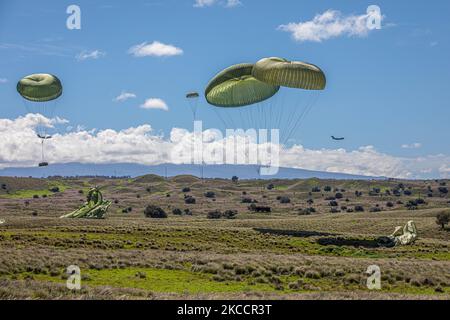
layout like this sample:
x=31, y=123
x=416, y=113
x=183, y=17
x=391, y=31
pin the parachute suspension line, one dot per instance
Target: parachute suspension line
x=193, y=106
x=298, y=109
x=297, y=115
x=276, y=104
x=42, y=149
x=278, y=117
x=220, y=117
x=302, y=116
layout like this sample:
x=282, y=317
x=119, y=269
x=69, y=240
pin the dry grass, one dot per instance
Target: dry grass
x=281, y=255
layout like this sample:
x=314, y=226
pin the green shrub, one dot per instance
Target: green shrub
x=216, y=214
x=54, y=189
x=230, y=214
x=177, y=212
x=155, y=212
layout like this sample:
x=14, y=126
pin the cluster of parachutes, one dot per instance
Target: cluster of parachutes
x=238, y=86
x=242, y=94
x=246, y=84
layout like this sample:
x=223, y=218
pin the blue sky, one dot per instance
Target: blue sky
x=386, y=89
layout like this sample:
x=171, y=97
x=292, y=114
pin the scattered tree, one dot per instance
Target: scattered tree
x=442, y=219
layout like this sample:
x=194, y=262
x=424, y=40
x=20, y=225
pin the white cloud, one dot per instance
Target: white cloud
x=204, y=3
x=233, y=3
x=330, y=24
x=445, y=170
x=3, y=80
x=415, y=145
x=224, y=3
x=19, y=147
x=155, y=49
x=155, y=103
x=124, y=96
x=85, y=55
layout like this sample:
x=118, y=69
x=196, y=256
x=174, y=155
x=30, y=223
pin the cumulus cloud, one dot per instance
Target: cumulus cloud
x=224, y=3
x=415, y=145
x=155, y=49
x=85, y=55
x=327, y=25
x=3, y=80
x=124, y=96
x=155, y=103
x=19, y=147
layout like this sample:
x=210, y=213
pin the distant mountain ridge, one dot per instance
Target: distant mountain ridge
x=170, y=170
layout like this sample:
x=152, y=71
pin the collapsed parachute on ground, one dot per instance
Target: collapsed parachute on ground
x=40, y=92
x=94, y=208
x=402, y=236
x=236, y=87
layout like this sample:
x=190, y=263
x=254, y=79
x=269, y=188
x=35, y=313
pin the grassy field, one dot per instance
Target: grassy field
x=290, y=253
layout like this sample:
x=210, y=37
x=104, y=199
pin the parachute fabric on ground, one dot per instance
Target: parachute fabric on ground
x=402, y=236
x=406, y=235
x=94, y=207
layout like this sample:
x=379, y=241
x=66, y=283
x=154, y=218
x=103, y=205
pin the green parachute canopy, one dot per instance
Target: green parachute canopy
x=40, y=87
x=192, y=95
x=236, y=87
x=293, y=74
